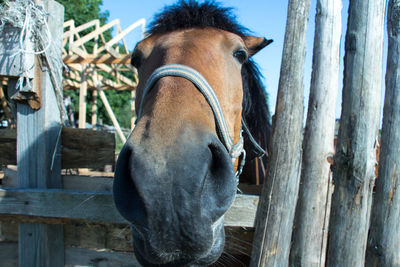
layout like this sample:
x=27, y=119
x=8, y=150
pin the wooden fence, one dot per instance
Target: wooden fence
x=61, y=217
x=324, y=228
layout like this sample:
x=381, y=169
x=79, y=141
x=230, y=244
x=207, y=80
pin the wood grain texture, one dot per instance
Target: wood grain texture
x=274, y=222
x=81, y=148
x=74, y=257
x=309, y=237
x=384, y=238
x=96, y=206
x=85, y=148
x=38, y=154
x=355, y=158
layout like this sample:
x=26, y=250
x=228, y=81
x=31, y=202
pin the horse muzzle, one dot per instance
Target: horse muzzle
x=175, y=194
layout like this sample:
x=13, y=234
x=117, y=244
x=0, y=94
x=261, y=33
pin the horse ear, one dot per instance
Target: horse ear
x=255, y=44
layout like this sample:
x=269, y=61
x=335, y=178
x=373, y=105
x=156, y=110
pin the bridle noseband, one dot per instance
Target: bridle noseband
x=177, y=70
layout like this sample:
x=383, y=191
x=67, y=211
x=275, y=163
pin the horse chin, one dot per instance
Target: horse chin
x=175, y=260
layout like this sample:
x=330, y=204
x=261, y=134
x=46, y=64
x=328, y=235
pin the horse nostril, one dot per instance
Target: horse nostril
x=220, y=157
x=126, y=196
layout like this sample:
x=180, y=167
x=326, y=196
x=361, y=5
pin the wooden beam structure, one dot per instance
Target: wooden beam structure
x=110, y=56
x=105, y=67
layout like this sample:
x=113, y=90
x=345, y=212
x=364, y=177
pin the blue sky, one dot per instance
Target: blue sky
x=264, y=17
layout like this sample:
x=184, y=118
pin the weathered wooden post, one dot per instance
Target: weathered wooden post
x=38, y=120
x=277, y=204
x=310, y=231
x=94, y=109
x=355, y=158
x=82, y=98
x=384, y=238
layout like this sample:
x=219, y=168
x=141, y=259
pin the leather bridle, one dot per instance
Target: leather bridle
x=235, y=150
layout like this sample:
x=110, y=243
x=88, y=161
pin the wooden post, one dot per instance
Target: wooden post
x=355, y=158
x=112, y=116
x=38, y=155
x=94, y=109
x=384, y=239
x=312, y=213
x=82, y=98
x=103, y=98
x=277, y=204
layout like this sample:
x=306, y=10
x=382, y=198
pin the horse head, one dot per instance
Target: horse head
x=176, y=176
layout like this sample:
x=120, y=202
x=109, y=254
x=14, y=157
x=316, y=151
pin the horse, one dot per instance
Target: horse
x=198, y=100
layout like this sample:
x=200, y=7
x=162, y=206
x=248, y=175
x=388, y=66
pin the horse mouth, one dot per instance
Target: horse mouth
x=150, y=257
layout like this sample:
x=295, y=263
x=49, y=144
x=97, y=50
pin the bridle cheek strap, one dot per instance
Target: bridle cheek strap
x=177, y=70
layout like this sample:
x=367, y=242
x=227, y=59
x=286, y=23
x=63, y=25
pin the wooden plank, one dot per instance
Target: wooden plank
x=115, y=237
x=55, y=203
x=116, y=39
x=96, y=206
x=74, y=257
x=118, y=237
x=309, y=238
x=74, y=30
x=97, y=59
x=355, y=158
x=89, y=36
x=84, y=148
x=277, y=206
x=127, y=81
x=88, y=257
x=70, y=182
x=31, y=245
x=8, y=146
x=384, y=238
x=9, y=254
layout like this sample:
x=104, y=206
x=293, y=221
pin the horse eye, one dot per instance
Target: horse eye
x=241, y=56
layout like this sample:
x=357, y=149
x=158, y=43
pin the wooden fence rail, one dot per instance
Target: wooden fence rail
x=59, y=206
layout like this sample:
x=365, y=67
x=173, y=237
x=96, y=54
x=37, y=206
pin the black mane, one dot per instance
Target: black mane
x=188, y=14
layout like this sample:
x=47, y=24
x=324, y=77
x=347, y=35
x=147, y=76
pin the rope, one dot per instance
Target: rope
x=31, y=19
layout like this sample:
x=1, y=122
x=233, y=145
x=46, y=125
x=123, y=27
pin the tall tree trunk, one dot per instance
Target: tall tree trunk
x=355, y=159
